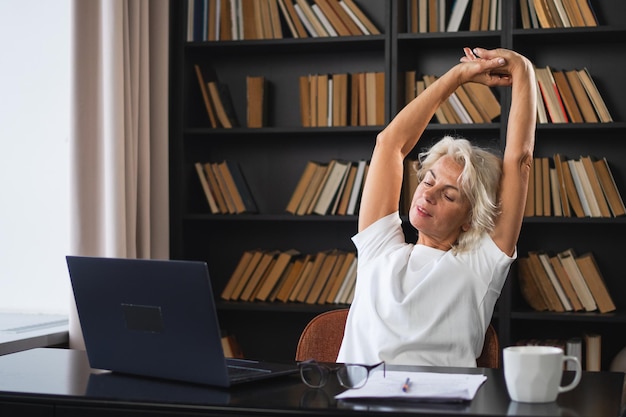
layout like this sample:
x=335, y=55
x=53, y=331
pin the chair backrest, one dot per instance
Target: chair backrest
x=322, y=336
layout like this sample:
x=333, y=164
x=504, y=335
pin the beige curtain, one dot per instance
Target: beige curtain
x=119, y=137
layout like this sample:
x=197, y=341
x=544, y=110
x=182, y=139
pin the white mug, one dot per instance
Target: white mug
x=533, y=373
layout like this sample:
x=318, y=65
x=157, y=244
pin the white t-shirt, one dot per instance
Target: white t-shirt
x=416, y=305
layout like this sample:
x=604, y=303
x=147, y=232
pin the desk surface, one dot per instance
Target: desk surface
x=27, y=331
x=60, y=382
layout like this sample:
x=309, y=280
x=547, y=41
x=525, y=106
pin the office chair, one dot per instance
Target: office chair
x=322, y=336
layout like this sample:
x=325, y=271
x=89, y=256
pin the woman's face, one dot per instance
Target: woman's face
x=439, y=209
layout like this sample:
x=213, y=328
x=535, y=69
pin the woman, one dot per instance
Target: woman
x=430, y=303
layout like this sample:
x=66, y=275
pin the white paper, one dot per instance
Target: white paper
x=423, y=386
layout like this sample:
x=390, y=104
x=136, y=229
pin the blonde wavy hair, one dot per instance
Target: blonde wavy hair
x=479, y=182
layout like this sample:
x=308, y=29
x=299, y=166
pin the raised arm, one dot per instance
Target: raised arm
x=520, y=142
x=381, y=192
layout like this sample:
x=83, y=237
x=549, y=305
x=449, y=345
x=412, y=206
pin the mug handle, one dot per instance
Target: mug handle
x=577, y=377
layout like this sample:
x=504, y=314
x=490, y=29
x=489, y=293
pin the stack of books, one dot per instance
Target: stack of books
x=342, y=99
x=223, y=20
x=582, y=187
x=569, y=96
x=225, y=188
x=563, y=282
x=547, y=14
x=327, y=277
x=332, y=188
x=470, y=103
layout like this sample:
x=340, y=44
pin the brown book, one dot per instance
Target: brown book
x=475, y=15
x=585, y=191
x=340, y=100
x=353, y=28
x=570, y=188
x=593, y=277
x=311, y=277
x=256, y=103
x=596, y=187
x=257, y=255
x=250, y=19
x=237, y=275
x=594, y=94
x=558, y=165
x=336, y=173
x=545, y=18
x=218, y=103
x=442, y=112
x=573, y=12
x=342, y=273
x=344, y=200
x=322, y=277
x=264, y=278
x=371, y=101
x=525, y=15
x=358, y=16
x=277, y=30
x=568, y=260
x=257, y=276
x=333, y=18
x=529, y=208
x=302, y=278
x=322, y=100
x=233, y=191
x=550, y=95
x=226, y=25
x=305, y=100
x=215, y=188
x=292, y=278
x=609, y=187
x=593, y=352
x=469, y=105
x=556, y=282
x=484, y=99
x=544, y=283
x=433, y=16
x=545, y=177
x=311, y=17
x=528, y=286
x=379, y=119
x=291, y=16
x=557, y=209
x=538, y=178
x=281, y=282
x=282, y=260
x=566, y=283
x=484, y=15
x=567, y=95
x=312, y=189
x=313, y=96
x=333, y=277
x=587, y=12
x=582, y=99
x=206, y=188
x=224, y=188
x=301, y=186
x=205, y=96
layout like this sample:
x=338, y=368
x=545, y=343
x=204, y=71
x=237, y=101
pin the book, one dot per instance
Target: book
x=338, y=170
x=247, y=273
x=357, y=187
x=205, y=187
x=335, y=275
x=256, y=101
x=550, y=95
x=238, y=187
x=556, y=283
x=205, y=96
x=577, y=174
x=456, y=15
x=321, y=277
x=220, y=98
x=278, y=268
x=215, y=187
x=484, y=99
x=546, y=286
x=231, y=207
x=557, y=209
x=594, y=94
x=568, y=260
x=301, y=186
x=311, y=190
x=347, y=286
x=593, y=352
x=237, y=275
x=566, y=283
x=335, y=21
x=529, y=287
x=560, y=179
x=589, y=16
x=609, y=188
x=302, y=278
x=360, y=18
x=570, y=188
x=328, y=27
x=582, y=99
x=344, y=200
x=352, y=27
x=310, y=19
x=293, y=20
x=596, y=187
x=593, y=277
x=311, y=277
x=292, y=278
x=567, y=95
x=342, y=274
x=257, y=276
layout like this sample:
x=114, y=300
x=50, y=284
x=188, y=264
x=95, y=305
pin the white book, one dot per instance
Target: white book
x=354, y=18
x=533, y=14
x=586, y=185
x=322, y=17
x=356, y=188
x=305, y=21
x=346, y=285
x=460, y=109
x=547, y=265
x=456, y=16
x=579, y=187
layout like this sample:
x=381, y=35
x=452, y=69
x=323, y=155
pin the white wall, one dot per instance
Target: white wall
x=34, y=155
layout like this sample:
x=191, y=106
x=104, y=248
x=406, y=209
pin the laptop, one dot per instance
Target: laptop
x=157, y=318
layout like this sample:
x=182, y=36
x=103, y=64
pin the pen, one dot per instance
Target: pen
x=406, y=385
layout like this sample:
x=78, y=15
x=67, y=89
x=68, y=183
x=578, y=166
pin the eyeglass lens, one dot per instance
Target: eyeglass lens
x=352, y=376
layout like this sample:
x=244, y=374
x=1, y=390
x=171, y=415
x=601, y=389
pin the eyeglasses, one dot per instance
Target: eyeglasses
x=350, y=375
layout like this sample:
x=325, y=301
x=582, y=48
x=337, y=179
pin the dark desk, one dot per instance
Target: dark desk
x=59, y=382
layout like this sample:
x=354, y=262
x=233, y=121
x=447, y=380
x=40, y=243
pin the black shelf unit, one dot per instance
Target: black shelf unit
x=272, y=158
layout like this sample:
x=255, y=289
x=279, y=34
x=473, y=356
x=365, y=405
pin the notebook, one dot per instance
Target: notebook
x=156, y=318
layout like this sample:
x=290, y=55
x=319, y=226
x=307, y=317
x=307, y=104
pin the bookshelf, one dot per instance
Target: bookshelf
x=272, y=158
